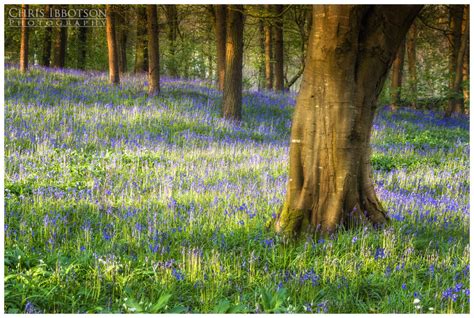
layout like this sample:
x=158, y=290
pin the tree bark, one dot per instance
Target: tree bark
x=411, y=57
x=171, y=12
x=60, y=44
x=457, y=102
x=153, y=51
x=465, y=77
x=81, y=47
x=122, y=37
x=232, y=100
x=279, y=54
x=114, y=75
x=48, y=31
x=455, y=23
x=261, y=64
x=397, y=77
x=268, y=52
x=24, y=39
x=221, y=31
x=141, y=50
x=350, y=51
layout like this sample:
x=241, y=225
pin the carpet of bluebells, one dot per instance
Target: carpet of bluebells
x=116, y=202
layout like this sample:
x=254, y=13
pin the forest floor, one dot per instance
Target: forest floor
x=116, y=202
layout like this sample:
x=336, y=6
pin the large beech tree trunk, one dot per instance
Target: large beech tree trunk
x=279, y=76
x=268, y=51
x=24, y=39
x=232, y=100
x=114, y=75
x=48, y=31
x=141, y=51
x=153, y=51
x=220, y=29
x=350, y=51
x=397, y=77
x=411, y=57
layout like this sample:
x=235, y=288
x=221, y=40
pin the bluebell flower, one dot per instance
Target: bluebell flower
x=379, y=253
x=177, y=274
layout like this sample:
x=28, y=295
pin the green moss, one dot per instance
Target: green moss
x=291, y=221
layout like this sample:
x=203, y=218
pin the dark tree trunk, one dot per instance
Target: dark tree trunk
x=220, y=29
x=82, y=47
x=123, y=51
x=397, y=77
x=141, y=50
x=458, y=48
x=232, y=100
x=279, y=53
x=60, y=45
x=411, y=57
x=171, y=12
x=330, y=174
x=122, y=37
x=465, y=74
x=24, y=39
x=268, y=51
x=112, y=45
x=48, y=31
x=153, y=51
x=261, y=64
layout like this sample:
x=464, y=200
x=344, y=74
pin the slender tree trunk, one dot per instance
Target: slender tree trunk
x=141, y=50
x=397, y=76
x=24, y=39
x=48, y=31
x=261, y=64
x=457, y=102
x=60, y=44
x=114, y=74
x=172, y=23
x=210, y=62
x=330, y=174
x=455, y=22
x=268, y=52
x=279, y=52
x=221, y=31
x=411, y=56
x=153, y=51
x=123, y=51
x=122, y=36
x=82, y=47
x=232, y=100
x=465, y=77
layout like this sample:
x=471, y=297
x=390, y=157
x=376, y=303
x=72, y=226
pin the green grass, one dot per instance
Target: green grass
x=115, y=202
